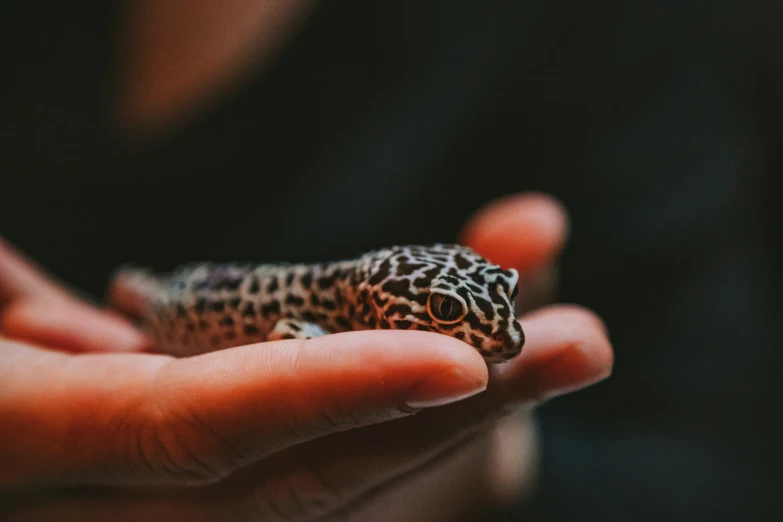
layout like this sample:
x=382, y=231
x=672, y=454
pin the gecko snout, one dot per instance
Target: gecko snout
x=509, y=341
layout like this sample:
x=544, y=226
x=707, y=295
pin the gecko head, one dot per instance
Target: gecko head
x=448, y=289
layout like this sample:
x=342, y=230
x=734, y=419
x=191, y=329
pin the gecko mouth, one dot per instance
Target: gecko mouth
x=502, y=338
x=505, y=347
x=509, y=345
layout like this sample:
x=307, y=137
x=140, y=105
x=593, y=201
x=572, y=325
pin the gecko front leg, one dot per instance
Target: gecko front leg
x=295, y=329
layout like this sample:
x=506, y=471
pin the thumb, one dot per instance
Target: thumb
x=145, y=419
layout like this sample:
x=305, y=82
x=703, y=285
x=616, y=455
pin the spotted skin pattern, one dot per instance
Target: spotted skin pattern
x=448, y=289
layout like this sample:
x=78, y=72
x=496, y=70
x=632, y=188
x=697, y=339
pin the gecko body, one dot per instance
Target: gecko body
x=448, y=289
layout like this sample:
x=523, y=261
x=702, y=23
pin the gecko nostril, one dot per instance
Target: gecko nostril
x=508, y=343
x=502, y=337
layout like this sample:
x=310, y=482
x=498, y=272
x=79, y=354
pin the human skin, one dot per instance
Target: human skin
x=361, y=425
x=95, y=426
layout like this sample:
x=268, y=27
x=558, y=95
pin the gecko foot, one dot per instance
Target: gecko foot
x=293, y=329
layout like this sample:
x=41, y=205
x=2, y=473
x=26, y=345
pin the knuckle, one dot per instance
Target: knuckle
x=173, y=444
x=176, y=446
x=166, y=451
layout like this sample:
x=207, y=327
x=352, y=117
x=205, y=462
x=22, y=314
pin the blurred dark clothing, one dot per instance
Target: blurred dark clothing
x=657, y=124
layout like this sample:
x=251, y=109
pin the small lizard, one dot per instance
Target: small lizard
x=448, y=289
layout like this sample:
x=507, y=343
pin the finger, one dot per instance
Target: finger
x=569, y=350
x=71, y=326
x=21, y=277
x=39, y=310
x=523, y=231
x=138, y=418
x=329, y=476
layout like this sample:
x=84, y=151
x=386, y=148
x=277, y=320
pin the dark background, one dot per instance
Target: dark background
x=658, y=124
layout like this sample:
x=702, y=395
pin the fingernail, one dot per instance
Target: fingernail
x=444, y=388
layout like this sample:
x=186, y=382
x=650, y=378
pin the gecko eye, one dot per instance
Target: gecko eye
x=445, y=309
x=514, y=292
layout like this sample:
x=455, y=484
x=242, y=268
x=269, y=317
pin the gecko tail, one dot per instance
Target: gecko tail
x=132, y=290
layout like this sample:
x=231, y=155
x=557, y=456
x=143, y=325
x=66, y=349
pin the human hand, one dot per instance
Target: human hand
x=286, y=430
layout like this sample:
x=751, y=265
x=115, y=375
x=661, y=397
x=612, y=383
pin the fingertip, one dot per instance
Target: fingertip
x=578, y=366
x=599, y=350
x=71, y=326
x=521, y=231
x=569, y=349
x=22, y=277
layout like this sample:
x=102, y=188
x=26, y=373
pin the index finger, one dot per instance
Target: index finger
x=21, y=277
x=36, y=308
